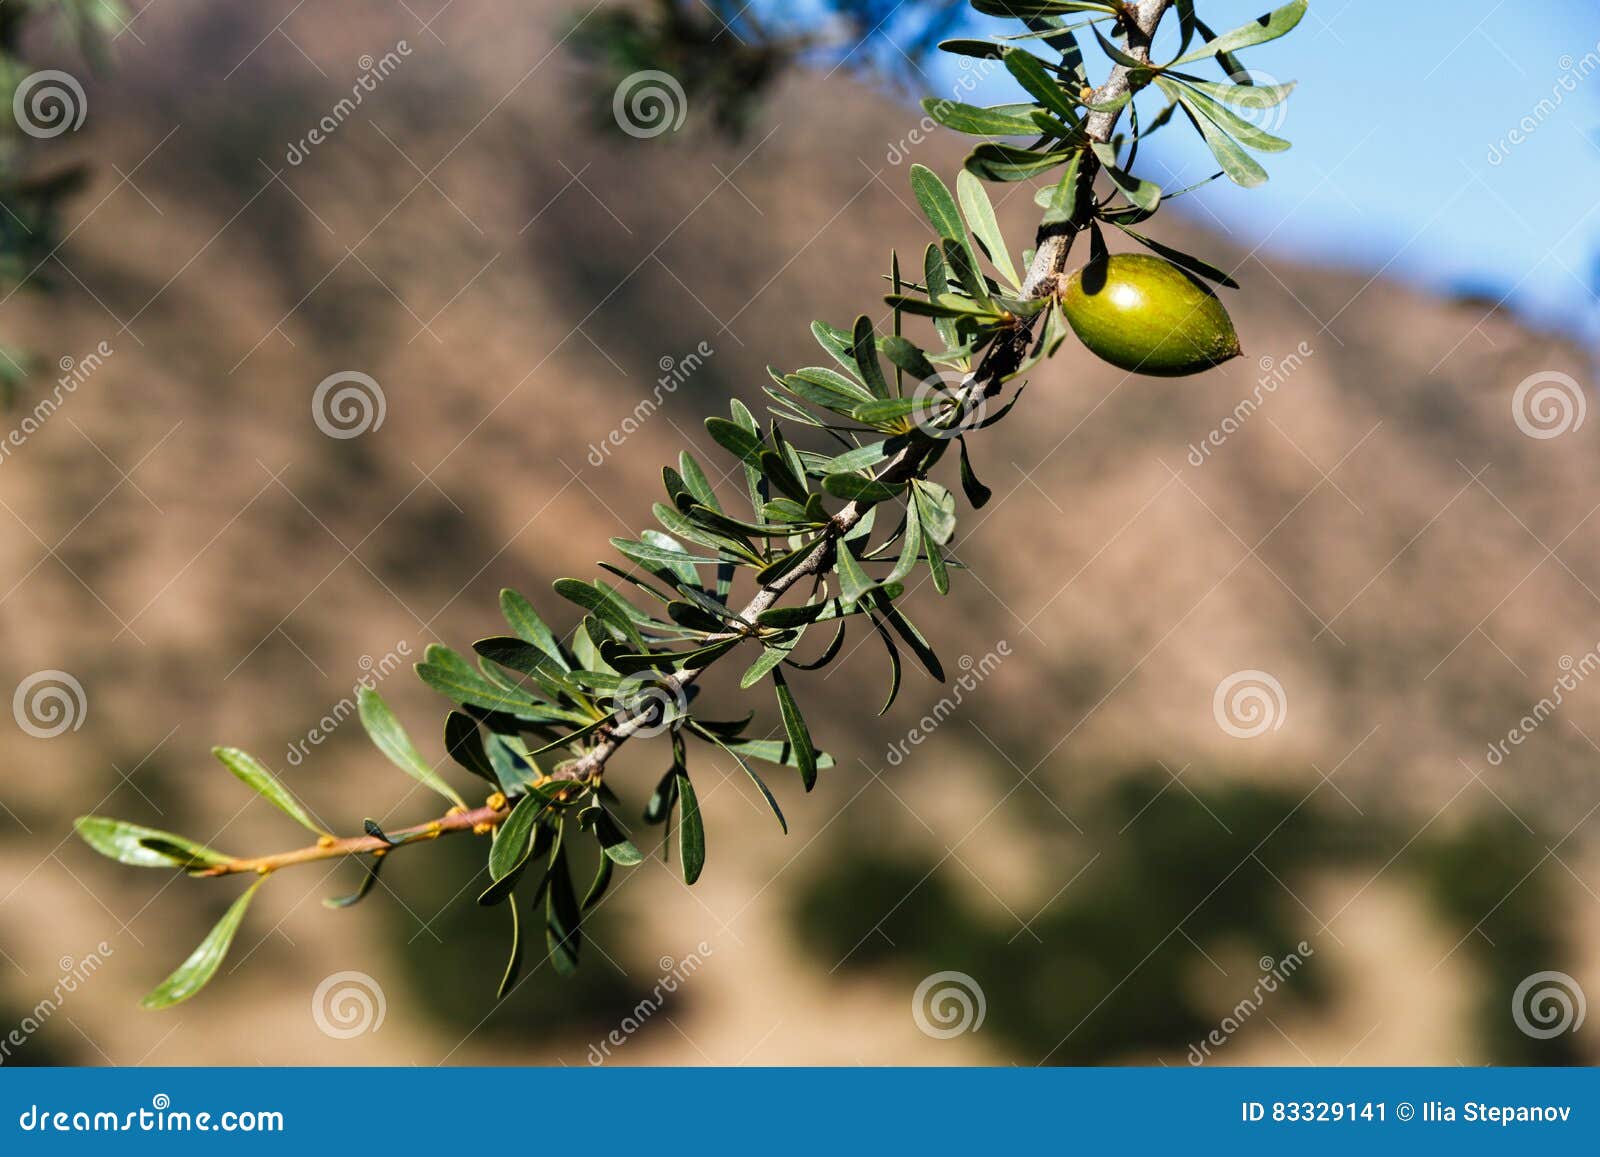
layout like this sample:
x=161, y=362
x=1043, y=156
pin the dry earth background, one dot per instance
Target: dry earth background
x=1081, y=837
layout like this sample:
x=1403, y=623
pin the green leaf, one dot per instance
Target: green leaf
x=256, y=777
x=985, y=226
x=859, y=488
x=1260, y=30
x=794, y=725
x=1062, y=205
x=864, y=352
x=514, y=963
x=912, y=637
x=1145, y=194
x=390, y=738
x=1001, y=163
x=450, y=675
x=193, y=974
x=512, y=842
x=910, y=547
x=1005, y=120
x=512, y=763
x=604, y=603
x=977, y=493
x=614, y=842
x=1233, y=124
x=853, y=581
x=1038, y=83
x=603, y=871
x=937, y=204
x=691, y=830
x=127, y=844
x=937, y=506
x=766, y=792
x=1242, y=169
x=464, y=744
x=937, y=570
x=1188, y=261
x=371, y=867
x=525, y=622
x=734, y=438
x=562, y=917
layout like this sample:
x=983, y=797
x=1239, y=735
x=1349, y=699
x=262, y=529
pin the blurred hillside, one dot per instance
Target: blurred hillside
x=1082, y=837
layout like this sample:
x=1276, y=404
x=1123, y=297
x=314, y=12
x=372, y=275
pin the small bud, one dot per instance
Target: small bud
x=482, y=829
x=325, y=841
x=457, y=810
x=497, y=801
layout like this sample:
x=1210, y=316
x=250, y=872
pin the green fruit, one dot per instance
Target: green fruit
x=1144, y=314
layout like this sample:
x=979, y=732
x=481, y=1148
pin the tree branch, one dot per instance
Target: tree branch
x=1054, y=245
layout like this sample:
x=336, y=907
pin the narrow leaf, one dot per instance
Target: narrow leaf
x=390, y=738
x=193, y=974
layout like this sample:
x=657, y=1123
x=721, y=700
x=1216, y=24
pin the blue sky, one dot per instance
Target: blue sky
x=1399, y=108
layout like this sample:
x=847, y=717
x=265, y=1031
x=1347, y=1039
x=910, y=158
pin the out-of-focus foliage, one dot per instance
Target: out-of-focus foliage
x=1102, y=972
x=32, y=189
x=728, y=53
